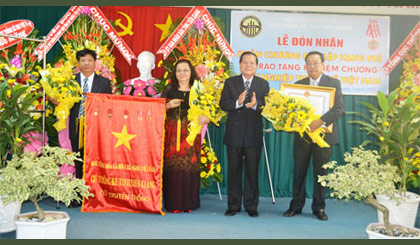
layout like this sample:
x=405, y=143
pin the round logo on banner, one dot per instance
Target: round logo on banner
x=250, y=26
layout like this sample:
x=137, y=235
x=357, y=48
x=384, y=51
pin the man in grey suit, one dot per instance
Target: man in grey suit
x=242, y=97
x=304, y=148
x=90, y=83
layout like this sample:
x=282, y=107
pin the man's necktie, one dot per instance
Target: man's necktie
x=247, y=87
x=85, y=90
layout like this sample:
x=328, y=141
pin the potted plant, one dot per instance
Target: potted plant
x=361, y=178
x=20, y=95
x=395, y=126
x=15, y=124
x=33, y=177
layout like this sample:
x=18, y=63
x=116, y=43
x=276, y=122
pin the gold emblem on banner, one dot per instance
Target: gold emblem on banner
x=250, y=26
x=124, y=138
x=126, y=29
x=165, y=28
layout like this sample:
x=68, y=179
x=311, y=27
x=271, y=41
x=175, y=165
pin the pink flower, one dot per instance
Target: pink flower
x=127, y=90
x=86, y=10
x=202, y=70
x=139, y=84
x=199, y=24
x=417, y=79
x=127, y=83
x=16, y=61
x=35, y=141
x=139, y=92
x=151, y=90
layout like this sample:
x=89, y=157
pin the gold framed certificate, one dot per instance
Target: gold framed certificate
x=321, y=98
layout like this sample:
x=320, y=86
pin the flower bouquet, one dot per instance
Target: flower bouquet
x=138, y=87
x=204, y=100
x=199, y=46
x=19, y=65
x=60, y=85
x=86, y=33
x=292, y=114
x=209, y=166
x=16, y=75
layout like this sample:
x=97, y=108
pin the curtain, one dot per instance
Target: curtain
x=146, y=35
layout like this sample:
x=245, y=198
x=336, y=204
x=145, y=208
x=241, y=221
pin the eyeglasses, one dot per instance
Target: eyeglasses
x=313, y=64
x=182, y=71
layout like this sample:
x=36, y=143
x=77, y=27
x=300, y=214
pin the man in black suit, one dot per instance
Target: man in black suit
x=90, y=83
x=242, y=97
x=304, y=148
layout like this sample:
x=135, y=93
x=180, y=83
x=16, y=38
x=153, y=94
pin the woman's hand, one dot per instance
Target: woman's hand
x=173, y=103
x=203, y=120
x=54, y=101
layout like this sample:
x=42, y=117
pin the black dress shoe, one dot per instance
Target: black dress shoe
x=321, y=215
x=253, y=213
x=291, y=212
x=231, y=212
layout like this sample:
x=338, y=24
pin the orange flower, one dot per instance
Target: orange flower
x=18, y=49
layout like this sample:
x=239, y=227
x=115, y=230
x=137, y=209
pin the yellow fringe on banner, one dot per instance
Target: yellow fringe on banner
x=178, y=135
x=81, y=131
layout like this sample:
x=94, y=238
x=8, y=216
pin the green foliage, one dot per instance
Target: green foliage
x=362, y=176
x=396, y=127
x=15, y=119
x=32, y=177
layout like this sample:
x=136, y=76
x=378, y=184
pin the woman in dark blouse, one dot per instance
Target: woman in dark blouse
x=181, y=167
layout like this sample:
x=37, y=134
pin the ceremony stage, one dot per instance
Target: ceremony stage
x=346, y=221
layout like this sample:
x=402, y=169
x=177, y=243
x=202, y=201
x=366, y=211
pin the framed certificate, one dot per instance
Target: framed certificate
x=321, y=98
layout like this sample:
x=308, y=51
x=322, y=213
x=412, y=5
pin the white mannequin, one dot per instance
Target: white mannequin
x=145, y=65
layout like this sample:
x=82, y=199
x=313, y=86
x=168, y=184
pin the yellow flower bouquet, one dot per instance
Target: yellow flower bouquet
x=292, y=114
x=209, y=166
x=204, y=100
x=60, y=85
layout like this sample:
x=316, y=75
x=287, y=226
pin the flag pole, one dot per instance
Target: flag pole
x=211, y=149
x=268, y=165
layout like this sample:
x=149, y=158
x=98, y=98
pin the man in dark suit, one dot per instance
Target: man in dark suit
x=90, y=83
x=304, y=148
x=242, y=97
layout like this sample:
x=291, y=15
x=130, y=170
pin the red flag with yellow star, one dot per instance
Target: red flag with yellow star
x=143, y=28
x=124, y=153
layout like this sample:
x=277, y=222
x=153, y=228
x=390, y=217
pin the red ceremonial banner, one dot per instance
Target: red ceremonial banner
x=124, y=153
x=16, y=28
x=402, y=50
x=143, y=28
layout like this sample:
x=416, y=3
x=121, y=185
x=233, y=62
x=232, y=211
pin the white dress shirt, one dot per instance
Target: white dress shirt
x=90, y=81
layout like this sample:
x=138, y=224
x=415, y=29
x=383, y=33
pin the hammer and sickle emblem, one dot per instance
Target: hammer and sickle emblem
x=126, y=29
